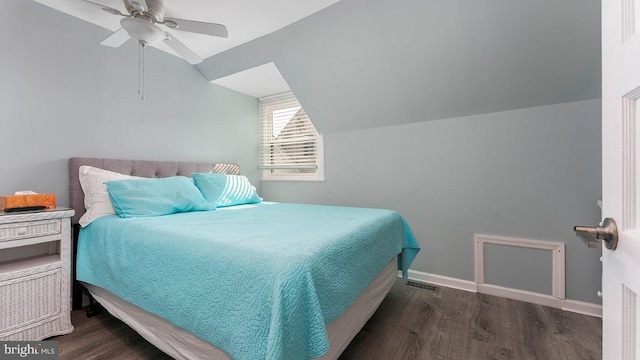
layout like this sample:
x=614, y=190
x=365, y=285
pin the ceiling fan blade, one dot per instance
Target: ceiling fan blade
x=106, y=9
x=197, y=27
x=182, y=50
x=116, y=39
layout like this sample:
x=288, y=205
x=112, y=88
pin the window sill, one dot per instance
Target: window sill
x=293, y=178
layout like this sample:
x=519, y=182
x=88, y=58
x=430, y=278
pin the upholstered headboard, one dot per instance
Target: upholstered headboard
x=137, y=168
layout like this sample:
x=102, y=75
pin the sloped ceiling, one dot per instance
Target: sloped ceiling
x=260, y=81
x=370, y=63
x=245, y=19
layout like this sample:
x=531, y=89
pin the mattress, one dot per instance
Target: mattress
x=257, y=281
x=182, y=345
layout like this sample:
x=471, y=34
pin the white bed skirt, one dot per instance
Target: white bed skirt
x=180, y=344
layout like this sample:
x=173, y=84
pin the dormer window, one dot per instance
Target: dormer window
x=290, y=146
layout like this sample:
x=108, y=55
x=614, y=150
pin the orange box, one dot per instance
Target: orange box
x=20, y=201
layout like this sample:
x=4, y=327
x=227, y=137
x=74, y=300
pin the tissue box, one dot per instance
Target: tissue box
x=21, y=201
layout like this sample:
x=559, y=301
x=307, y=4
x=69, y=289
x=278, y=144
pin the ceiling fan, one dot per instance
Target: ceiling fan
x=142, y=24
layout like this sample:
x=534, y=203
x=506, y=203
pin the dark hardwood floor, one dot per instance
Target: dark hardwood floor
x=453, y=324
x=410, y=324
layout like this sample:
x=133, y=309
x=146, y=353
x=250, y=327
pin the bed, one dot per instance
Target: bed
x=252, y=281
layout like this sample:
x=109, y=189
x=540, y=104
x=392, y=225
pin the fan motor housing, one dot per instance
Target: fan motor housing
x=155, y=8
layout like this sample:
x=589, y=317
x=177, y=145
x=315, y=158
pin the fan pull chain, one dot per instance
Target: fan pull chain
x=141, y=70
x=139, y=67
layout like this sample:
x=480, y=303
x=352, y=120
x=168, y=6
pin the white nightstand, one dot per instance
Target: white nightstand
x=35, y=274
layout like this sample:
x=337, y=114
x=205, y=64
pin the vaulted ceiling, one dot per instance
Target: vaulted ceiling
x=357, y=64
x=245, y=19
x=369, y=63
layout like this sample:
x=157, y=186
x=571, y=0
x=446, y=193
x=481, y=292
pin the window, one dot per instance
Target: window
x=290, y=146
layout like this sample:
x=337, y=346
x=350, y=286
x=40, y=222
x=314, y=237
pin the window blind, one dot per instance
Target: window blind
x=288, y=138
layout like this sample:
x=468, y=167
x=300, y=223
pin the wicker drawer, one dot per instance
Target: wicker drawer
x=29, y=301
x=29, y=229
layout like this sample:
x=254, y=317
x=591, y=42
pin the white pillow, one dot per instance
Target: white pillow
x=96, y=197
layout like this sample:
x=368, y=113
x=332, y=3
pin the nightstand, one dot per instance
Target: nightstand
x=35, y=274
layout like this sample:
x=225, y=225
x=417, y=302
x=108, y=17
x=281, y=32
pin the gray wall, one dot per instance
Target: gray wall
x=397, y=87
x=356, y=66
x=531, y=173
x=530, y=261
x=62, y=95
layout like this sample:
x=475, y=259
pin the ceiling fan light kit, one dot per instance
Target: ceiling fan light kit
x=143, y=31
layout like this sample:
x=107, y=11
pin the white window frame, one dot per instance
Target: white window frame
x=267, y=174
x=318, y=176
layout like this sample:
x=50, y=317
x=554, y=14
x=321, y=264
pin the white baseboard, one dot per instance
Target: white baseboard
x=575, y=306
x=582, y=307
x=445, y=281
x=521, y=295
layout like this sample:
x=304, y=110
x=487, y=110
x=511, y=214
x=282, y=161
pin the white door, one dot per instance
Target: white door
x=620, y=178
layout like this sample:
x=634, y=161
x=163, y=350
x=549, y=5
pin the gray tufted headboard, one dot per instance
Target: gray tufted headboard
x=137, y=168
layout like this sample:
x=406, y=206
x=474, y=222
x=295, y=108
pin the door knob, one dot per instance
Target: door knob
x=608, y=232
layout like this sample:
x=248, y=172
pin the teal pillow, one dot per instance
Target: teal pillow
x=226, y=190
x=155, y=196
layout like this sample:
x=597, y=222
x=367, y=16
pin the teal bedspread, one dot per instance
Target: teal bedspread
x=259, y=281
